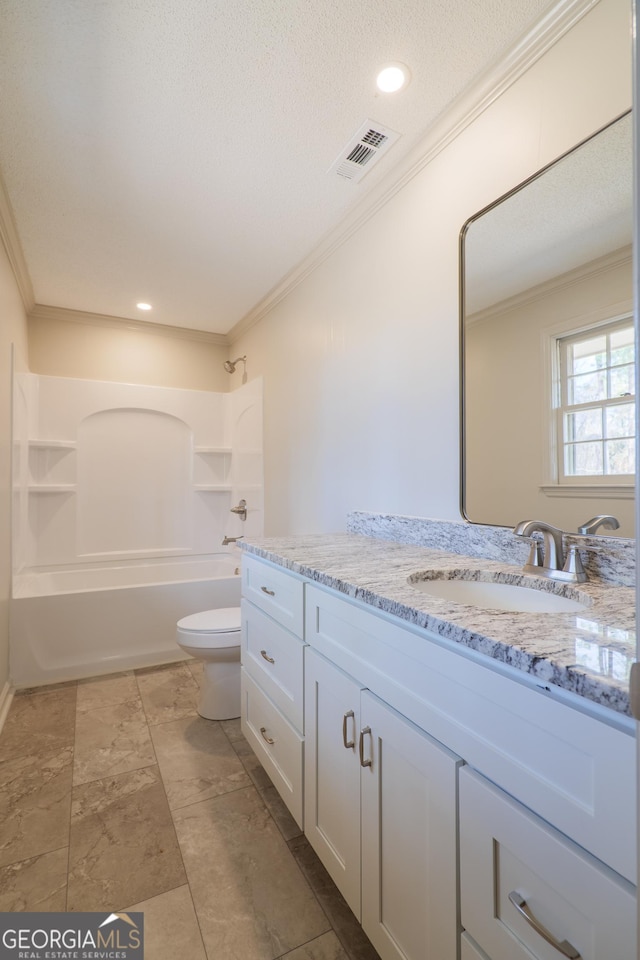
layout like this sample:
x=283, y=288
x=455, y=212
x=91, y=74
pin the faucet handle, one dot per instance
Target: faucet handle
x=536, y=558
x=573, y=565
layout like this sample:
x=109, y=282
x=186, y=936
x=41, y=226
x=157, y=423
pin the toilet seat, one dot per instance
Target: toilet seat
x=211, y=628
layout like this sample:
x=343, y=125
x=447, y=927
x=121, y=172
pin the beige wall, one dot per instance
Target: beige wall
x=508, y=425
x=360, y=360
x=13, y=330
x=108, y=350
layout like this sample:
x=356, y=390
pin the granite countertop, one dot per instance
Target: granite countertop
x=587, y=653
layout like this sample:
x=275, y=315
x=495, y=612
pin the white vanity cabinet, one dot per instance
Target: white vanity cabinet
x=380, y=811
x=437, y=783
x=272, y=675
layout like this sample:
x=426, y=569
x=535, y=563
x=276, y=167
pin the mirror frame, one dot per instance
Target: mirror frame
x=461, y=321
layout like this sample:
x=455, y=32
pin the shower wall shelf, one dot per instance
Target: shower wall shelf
x=212, y=487
x=212, y=469
x=53, y=444
x=51, y=488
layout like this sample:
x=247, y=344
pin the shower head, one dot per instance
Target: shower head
x=230, y=365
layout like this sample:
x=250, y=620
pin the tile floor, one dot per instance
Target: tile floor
x=115, y=795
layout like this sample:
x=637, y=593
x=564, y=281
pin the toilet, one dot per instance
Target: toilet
x=213, y=636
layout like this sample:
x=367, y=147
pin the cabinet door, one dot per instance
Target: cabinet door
x=408, y=798
x=332, y=773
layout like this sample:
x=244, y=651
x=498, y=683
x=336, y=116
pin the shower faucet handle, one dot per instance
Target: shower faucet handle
x=241, y=509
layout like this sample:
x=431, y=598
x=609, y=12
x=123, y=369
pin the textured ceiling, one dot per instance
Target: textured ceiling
x=579, y=210
x=177, y=152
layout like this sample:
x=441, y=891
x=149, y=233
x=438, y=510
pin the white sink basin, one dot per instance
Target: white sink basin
x=495, y=594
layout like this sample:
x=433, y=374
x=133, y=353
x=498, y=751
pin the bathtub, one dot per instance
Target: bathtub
x=66, y=624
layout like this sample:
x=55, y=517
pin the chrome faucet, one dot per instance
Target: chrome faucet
x=228, y=540
x=550, y=562
x=602, y=520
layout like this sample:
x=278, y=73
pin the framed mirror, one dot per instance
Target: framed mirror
x=547, y=345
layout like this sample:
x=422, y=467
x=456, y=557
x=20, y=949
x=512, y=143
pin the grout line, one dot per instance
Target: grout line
x=71, y=786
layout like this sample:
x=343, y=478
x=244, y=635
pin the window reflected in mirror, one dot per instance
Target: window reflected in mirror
x=548, y=364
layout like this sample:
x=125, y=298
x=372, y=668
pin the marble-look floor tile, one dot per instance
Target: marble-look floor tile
x=196, y=761
x=232, y=729
x=111, y=740
x=39, y=723
x=263, y=784
x=347, y=928
x=168, y=692
x=251, y=899
x=39, y=883
x=171, y=930
x=326, y=947
x=196, y=667
x=122, y=845
x=107, y=691
x=35, y=799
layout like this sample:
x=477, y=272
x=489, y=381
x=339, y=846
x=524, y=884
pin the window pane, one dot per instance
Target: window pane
x=620, y=456
x=622, y=346
x=623, y=381
x=597, y=402
x=586, y=425
x=588, y=355
x=583, y=459
x=587, y=388
x=620, y=420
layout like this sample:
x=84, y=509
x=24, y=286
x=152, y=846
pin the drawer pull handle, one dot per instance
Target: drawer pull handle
x=270, y=593
x=363, y=762
x=564, y=947
x=263, y=653
x=269, y=740
x=349, y=744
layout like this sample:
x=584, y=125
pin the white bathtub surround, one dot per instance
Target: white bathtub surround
x=86, y=631
x=107, y=472
x=588, y=654
x=611, y=559
x=122, y=497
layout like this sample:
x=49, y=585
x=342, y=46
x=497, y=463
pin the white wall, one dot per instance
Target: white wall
x=360, y=360
x=13, y=330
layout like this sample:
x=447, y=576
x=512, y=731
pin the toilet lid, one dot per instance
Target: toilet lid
x=224, y=620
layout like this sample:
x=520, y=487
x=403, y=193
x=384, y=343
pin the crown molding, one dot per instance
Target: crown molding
x=45, y=313
x=11, y=241
x=469, y=105
x=586, y=271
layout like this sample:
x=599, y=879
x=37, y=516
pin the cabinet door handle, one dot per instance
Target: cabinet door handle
x=270, y=593
x=349, y=744
x=363, y=762
x=269, y=740
x=564, y=947
x=263, y=653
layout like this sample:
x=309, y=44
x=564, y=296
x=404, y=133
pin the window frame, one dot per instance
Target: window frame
x=557, y=484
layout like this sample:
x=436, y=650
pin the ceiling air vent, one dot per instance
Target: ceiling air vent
x=363, y=150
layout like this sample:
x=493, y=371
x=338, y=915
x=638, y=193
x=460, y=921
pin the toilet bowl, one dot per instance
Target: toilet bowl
x=213, y=636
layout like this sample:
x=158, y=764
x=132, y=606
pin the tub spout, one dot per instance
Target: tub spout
x=228, y=540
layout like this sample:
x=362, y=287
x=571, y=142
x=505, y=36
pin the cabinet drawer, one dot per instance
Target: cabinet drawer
x=278, y=746
x=505, y=850
x=278, y=593
x=274, y=658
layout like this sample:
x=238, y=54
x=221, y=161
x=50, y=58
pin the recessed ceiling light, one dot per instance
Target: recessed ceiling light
x=393, y=77
x=143, y=306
